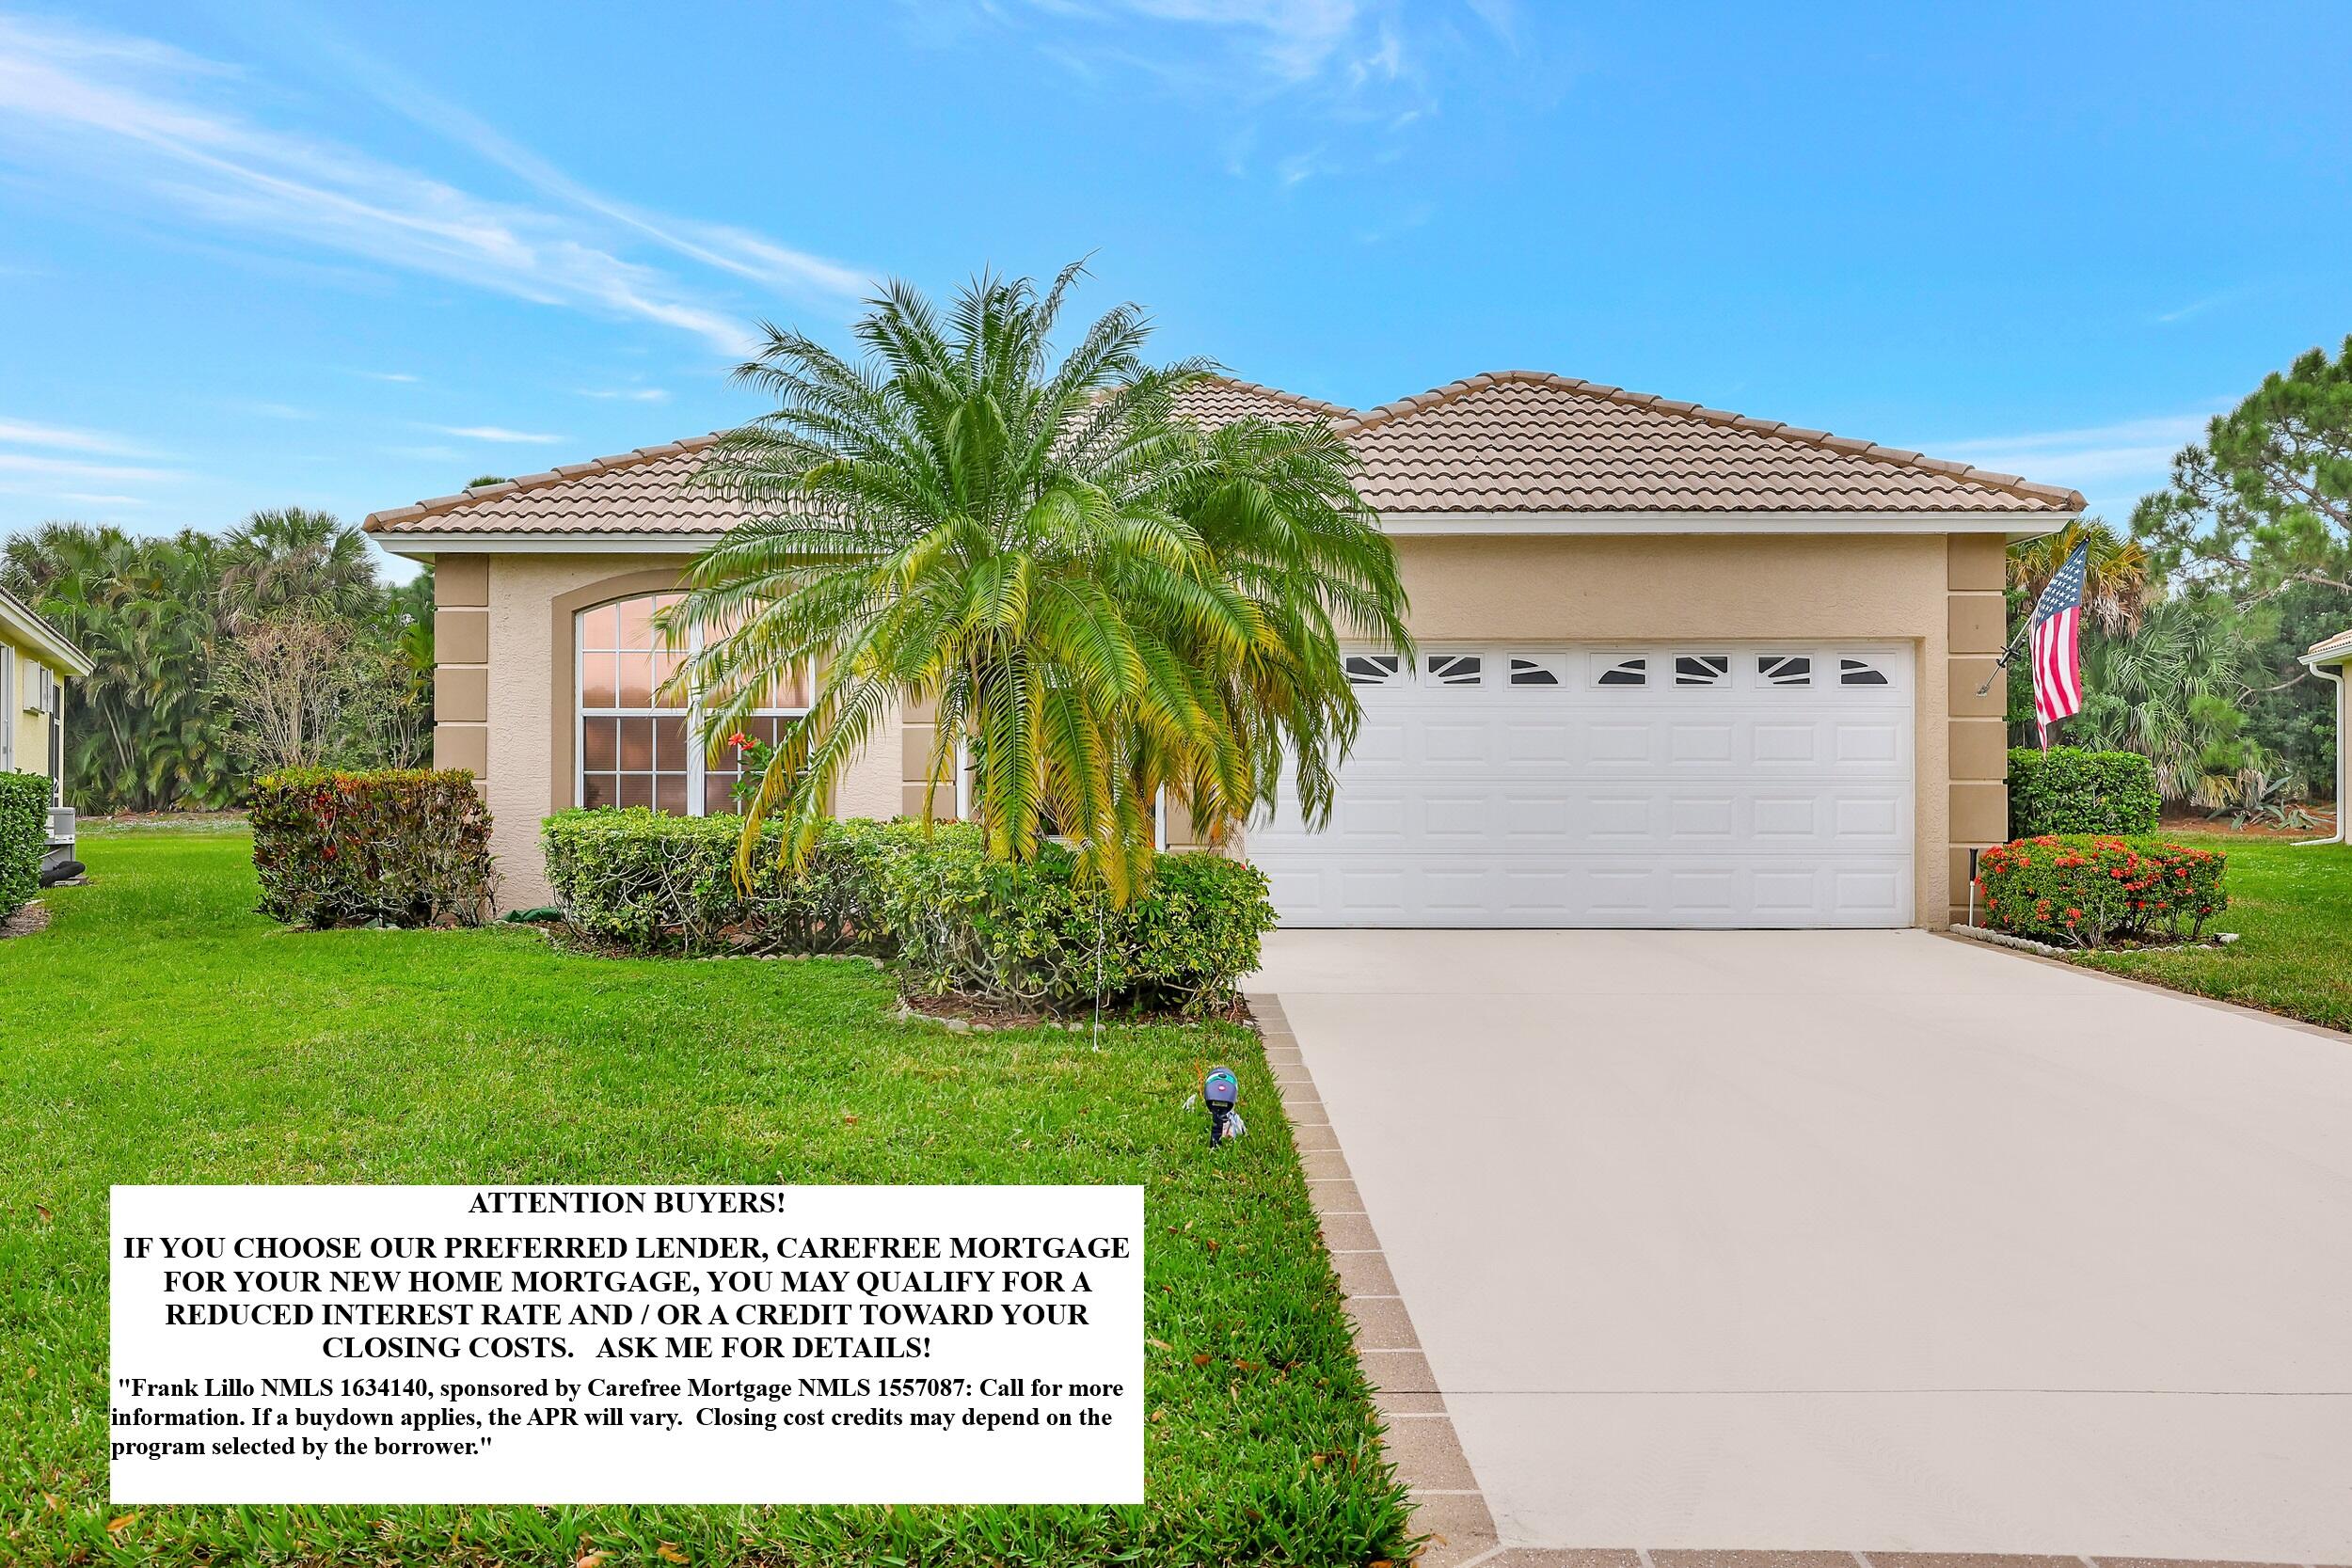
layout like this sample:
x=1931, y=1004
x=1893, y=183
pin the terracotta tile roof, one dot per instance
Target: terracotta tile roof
x=643, y=491
x=1510, y=441
x=1527, y=441
x=2329, y=648
x=1220, y=398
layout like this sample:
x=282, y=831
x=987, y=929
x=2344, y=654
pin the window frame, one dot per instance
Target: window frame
x=697, y=750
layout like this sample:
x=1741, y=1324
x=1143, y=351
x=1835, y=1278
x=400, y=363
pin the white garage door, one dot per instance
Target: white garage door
x=1698, y=785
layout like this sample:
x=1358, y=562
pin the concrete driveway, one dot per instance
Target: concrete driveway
x=1860, y=1241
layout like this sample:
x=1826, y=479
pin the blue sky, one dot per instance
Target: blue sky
x=350, y=257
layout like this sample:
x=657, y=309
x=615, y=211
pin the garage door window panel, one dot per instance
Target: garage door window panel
x=1621, y=671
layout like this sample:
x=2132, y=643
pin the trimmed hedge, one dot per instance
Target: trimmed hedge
x=2093, y=889
x=648, y=882
x=2069, y=790
x=24, y=836
x=965, y=922
x=403, y=847
x=951, y=919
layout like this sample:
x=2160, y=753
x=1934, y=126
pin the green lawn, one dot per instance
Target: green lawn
x=2292, y=909
x=160, y=1031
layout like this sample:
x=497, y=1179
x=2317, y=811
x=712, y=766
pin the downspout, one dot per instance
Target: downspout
x=2333, y=674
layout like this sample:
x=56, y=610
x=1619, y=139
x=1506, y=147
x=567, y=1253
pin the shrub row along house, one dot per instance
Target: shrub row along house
x=1678, y=667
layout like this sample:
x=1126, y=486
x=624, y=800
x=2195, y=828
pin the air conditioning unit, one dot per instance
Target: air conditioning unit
x=60, y=839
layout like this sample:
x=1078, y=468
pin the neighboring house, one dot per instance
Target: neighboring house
x=1680, y=667
x=36, y=661
x=2329, y=658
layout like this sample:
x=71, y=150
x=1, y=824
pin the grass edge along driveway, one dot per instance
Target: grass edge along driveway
x=2292, y=909
x=160, y=1031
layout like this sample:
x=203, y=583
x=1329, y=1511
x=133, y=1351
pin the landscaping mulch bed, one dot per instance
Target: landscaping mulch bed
x=25, y=922
x=987, y=1013
x=2325, y=823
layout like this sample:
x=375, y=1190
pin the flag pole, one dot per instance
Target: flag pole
x=2007, y=654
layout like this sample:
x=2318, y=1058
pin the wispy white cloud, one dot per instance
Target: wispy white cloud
x=1293, y=39
x=626, y=394
x=2112, y=465
x=1299, y=168
x=43, y=472
x=24, y=433
x=69, y=467
x=1501, y=18
x=2087, y=458
x=402, y=377
x=723, y=247
x=499, y=433
x=1303, y=65
x=120, y=111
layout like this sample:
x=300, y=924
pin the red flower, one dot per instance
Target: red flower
x=741, y=741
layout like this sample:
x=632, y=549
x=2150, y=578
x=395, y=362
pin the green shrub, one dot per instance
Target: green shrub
x=649, y=882
x=401, y=848
x=952, y=919
x=24, y=836
x=2093, y=889
x=2069, y=790
x=965, y=922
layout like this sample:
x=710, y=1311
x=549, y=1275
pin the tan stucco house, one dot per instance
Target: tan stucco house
x=1680, y=667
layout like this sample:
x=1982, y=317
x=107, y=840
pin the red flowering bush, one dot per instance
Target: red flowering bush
x=2095, y=890
x=397, y=847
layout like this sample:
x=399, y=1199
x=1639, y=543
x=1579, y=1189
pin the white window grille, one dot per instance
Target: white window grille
x=636, y=745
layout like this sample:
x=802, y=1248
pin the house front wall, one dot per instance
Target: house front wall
x=1940, y=594
x=505, y=704
x=23, y=723
x=505, y=701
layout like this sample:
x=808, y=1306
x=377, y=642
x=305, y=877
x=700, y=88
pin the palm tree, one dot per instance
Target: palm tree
x=143, y=731
x=2117, y=588
x=2171, y=691
x=296, y=559
x=1104, y=601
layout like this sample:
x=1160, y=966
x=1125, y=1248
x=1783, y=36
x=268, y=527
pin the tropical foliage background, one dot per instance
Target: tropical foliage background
x=221, y=657
x=2195, y=615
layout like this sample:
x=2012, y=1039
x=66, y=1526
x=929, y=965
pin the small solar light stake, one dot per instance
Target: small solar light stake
x=1220, y=1091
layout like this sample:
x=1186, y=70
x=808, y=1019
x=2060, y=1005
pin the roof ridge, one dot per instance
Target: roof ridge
x=1901, y=458
x=563, y=471
x=1296, y=400
x=521, y=483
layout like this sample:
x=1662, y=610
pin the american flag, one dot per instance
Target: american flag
x=2054, y=636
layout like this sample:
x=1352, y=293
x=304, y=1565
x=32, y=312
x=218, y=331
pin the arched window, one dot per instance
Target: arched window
x=636, y=746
